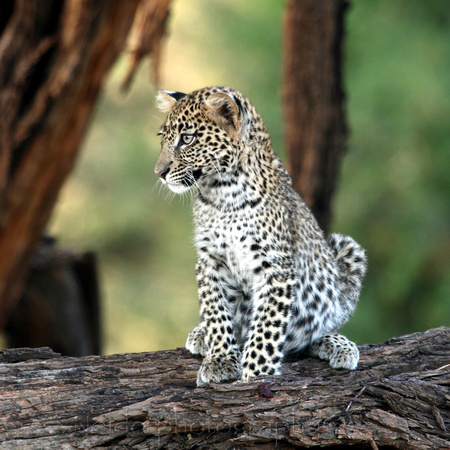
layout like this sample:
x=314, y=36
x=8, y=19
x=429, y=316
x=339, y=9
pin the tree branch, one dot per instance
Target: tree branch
x=398, y=398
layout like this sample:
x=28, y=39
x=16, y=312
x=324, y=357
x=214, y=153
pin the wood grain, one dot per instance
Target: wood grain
x=397, y=398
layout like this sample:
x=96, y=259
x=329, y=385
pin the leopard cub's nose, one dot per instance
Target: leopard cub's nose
x=162, y=173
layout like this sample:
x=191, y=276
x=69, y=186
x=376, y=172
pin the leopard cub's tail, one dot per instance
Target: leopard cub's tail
x=352, y=265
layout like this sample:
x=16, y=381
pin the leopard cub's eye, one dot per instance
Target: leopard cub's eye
x=187, y=139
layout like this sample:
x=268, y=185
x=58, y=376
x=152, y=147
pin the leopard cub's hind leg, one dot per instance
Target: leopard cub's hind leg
x=337, y=349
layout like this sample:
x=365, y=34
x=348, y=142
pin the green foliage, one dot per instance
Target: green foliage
x=393, y=195
x=393, y=192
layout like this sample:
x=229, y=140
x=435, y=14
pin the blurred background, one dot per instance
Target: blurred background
x=393, y=194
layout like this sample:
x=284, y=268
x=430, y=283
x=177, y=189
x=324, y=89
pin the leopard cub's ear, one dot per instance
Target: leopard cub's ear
x=165, y=100
x=223, y=109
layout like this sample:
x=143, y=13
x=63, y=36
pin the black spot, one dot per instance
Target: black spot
x=261, y=360
x=320, y=286
x=269, y=349
x=315, y=305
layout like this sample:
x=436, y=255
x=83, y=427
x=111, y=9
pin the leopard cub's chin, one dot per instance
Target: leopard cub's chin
x=178, y=188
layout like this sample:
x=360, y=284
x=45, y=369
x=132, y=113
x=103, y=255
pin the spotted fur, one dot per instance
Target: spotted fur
x=269, y=282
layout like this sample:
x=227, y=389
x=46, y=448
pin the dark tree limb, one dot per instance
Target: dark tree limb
x=398, y=398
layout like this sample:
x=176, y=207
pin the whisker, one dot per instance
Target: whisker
x=193, y=181
x=159, y=119
x=157, y=185
x=218, y=166
x=198, y=187
x=170, y=195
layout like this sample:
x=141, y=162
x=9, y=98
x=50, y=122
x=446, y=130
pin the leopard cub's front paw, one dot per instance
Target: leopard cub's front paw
x=218, y=368
x=195, y=342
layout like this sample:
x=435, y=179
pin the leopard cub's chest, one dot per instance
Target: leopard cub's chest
x=232, y=238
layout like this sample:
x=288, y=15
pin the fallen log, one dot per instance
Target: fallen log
x=397, y=398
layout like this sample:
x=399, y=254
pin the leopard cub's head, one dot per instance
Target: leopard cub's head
x=202, y=135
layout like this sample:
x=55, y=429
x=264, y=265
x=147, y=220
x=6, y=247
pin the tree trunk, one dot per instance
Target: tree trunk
x=54, y=56
x=397, y=398
x=60, y=307
x=313, y=99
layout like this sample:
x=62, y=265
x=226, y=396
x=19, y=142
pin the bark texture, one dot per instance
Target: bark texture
x=397, y=398
x=54, y=56
x=313, y=100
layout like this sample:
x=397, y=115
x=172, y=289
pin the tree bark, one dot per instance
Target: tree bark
x=313, y=98
x=397, y=398
x=54, y=56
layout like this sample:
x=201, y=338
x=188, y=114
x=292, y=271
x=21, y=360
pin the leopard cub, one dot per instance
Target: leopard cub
x=269, y=282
